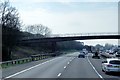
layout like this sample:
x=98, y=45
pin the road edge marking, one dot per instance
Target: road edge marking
x=29, y=68
x=94, y=69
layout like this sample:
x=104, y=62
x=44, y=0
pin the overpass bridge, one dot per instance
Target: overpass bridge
x=53, y=39
x=70, y=37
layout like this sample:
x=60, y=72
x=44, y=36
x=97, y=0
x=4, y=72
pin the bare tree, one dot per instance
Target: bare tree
x=38, y=29
x=10, y=23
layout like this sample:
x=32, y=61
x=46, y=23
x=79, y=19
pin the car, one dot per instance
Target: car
x=81, y=55
x=96, y=55
x=111, y=53
x=111, y=65
x=85, y=51
x=117, y=54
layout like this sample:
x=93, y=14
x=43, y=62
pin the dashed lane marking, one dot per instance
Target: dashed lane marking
x=68, y=62
x=64, y=67
x=59, y=74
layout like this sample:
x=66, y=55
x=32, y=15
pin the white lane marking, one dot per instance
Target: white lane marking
x=59, y=74
x=68, y=62
x=64, y=67
x=30, y=68
x=95, y=69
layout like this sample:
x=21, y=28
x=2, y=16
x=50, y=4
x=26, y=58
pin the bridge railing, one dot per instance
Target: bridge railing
x=83, y=34
x=73, y=35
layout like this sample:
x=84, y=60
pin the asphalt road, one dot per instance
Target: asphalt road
x=67, y=66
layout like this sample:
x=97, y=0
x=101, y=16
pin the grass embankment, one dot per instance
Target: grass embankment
x=26, y=52
x=21, y=52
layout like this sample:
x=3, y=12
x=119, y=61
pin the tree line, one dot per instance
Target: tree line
x=12, y=32
x=12, y=29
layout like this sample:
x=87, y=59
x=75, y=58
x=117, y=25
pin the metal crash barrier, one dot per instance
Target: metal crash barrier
x=25, y=60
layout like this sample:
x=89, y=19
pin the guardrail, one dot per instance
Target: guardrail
x=25, y=60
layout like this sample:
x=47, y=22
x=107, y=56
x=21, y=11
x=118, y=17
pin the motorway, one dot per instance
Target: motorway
x=65, y=66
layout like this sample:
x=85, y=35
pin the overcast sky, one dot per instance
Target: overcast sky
x=71, y=16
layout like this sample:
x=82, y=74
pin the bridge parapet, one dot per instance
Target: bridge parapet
x=83, y=34
x=72, y=35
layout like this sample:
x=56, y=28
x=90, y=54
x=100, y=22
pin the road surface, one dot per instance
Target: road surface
x=66, y=66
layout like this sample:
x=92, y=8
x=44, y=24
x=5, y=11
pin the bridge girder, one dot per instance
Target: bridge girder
x=59, y=39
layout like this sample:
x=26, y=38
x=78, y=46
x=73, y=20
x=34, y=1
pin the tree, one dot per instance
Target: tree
x=70, y=45
x=108, y=46
x=10, y=23
x=38, y=29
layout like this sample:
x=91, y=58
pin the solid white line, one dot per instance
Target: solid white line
x=64, y=66
x=59, y=74
x=94, y=69
x=29, y=69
